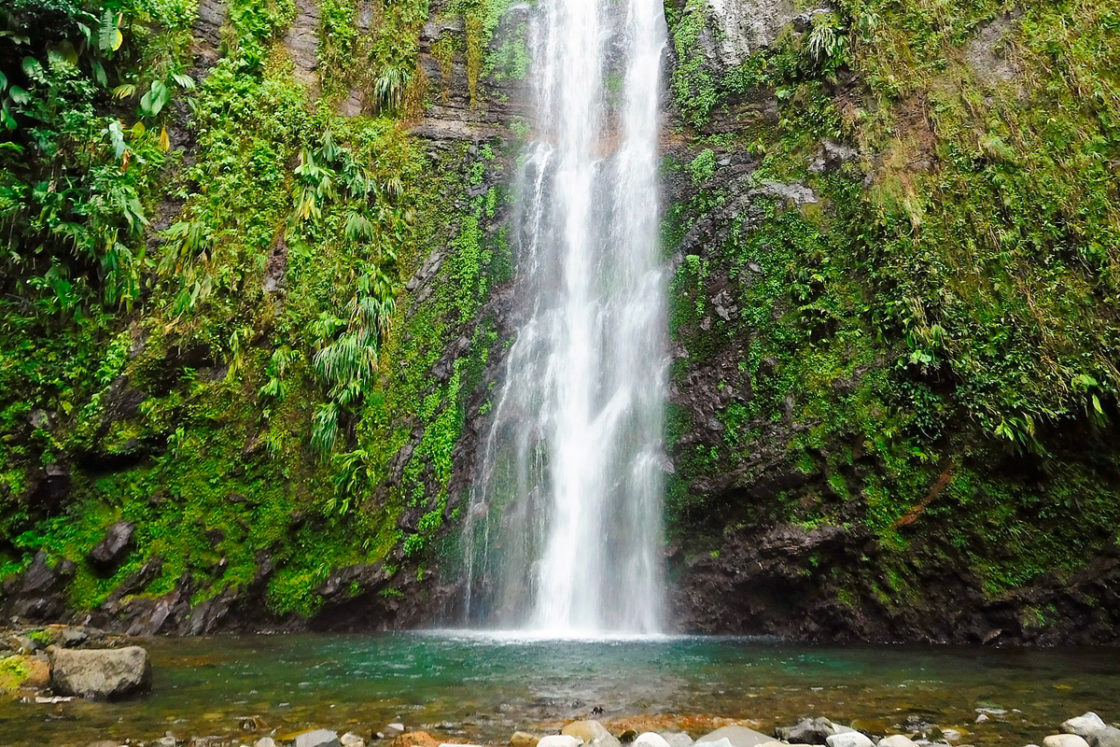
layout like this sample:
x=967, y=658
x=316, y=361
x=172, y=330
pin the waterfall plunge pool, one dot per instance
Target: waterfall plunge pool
x=480, y=687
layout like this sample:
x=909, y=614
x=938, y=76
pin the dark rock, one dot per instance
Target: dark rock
x=100, y=674
x=110, y=551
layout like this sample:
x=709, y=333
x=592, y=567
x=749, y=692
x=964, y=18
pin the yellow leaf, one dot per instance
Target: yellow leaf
x=164, y=140
x=118, y=40
x=138, y=130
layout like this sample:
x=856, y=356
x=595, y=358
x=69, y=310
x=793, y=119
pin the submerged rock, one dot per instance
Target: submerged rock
x=100, y=674
x=734, y=736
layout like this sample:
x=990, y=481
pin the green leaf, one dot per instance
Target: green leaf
x=3, y=81
x=19, y=95
x=185, y=81
x=32, y=68
x=99, y=73
x=109, y=37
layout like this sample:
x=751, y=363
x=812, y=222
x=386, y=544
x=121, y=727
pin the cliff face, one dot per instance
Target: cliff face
x=894, y=240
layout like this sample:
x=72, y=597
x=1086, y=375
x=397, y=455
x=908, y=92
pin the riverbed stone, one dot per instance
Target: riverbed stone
x=318, y=738
x=1084, y=725
x=523, y=739
x=1064, y=740
x=736, y=736
x=415, y=739
x=350, y=739
x=1109, y=736
x=897, y=740
x=100, y=674
x=559, y=740
x=265, y=742
x=810, y=731
x=677, y=738
x=592, y=733
x=650, y=739
x=849, y=739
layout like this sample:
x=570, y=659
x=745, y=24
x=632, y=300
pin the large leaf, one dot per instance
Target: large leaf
x=109, y=37
x=152, y=102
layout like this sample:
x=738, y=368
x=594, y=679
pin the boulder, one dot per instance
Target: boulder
x=591, y=733
x=318, y=738
x=415, y=739
x=677, y=738
x=110, y=551
x=897, y=740
x=38, y=673
x=523, y=739
x=1084, y=725
x=1109, y=736
x=650, y=739
x=810, y=731
x=849, y=739
x=100, y=673
x=1064, y=740
x=735, y=736
x=559, y=740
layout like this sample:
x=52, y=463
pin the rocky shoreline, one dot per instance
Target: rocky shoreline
x=1087, y=730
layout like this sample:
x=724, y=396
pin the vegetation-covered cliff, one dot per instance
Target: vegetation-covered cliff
x=257, y=289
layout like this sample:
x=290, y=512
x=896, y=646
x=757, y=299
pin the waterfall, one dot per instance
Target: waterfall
x=564, y=529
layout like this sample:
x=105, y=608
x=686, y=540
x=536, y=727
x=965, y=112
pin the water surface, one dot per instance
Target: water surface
x=481, y=688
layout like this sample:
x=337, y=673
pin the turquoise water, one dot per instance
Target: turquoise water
x=480, y=688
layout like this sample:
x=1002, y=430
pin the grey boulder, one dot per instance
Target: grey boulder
x=110, y=551
x=100, y=673
x=810, y=731
x=318, y=738
x=734, y=736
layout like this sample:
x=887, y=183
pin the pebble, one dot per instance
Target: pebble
x=350, y=739
x=559, y=740
x=523, y=739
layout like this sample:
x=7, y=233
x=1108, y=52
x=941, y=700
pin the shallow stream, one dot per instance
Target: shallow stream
x=480, y=688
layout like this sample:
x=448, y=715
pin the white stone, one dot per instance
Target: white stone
x=677, y=738
x=897, y=740
x=849, y=739
x=733, y=736
x=1084, y=725
x=559, y=740
x=265, y=742
x=350, y=739
x=649, y=739
x=1064, y=740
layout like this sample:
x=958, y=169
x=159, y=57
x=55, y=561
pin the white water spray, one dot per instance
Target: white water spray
x=564, y=532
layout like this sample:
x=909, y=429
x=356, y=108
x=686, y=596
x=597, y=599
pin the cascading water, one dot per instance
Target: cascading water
x=564, y=530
